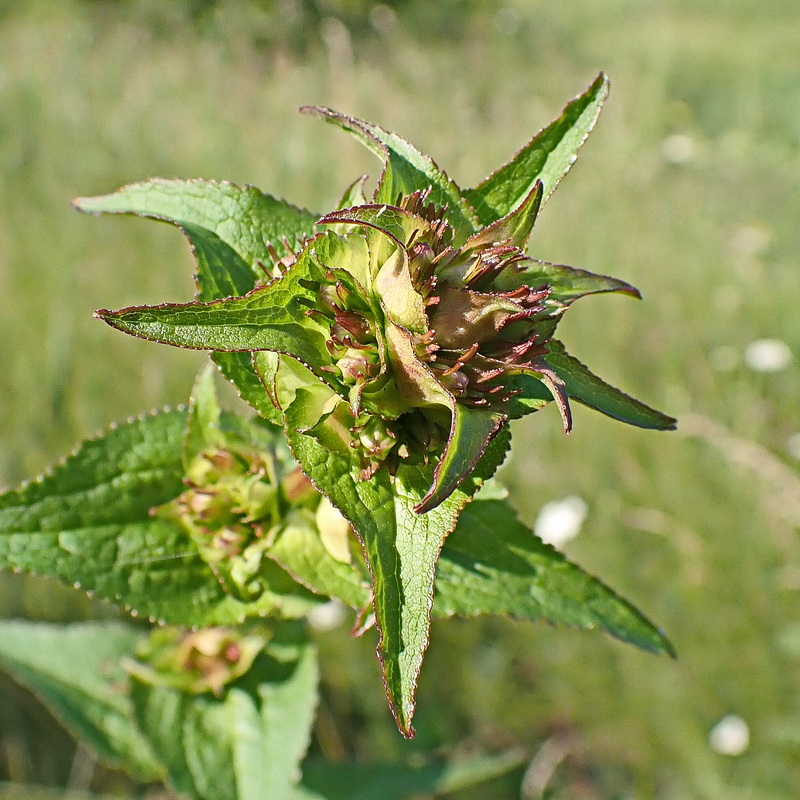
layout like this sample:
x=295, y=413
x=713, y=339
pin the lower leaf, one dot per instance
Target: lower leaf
x=247, y=743
x=89, y=522
x=493, y=564
x=75, y=670
x=400, y=545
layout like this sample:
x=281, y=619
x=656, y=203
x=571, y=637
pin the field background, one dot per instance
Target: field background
x=688, y=188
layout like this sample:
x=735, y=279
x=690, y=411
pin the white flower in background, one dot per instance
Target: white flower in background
x=730, y=736
x=768, y=355
x=793, y=446
x=560, y=520
x=327, y=616
x=678, y=149
x=383, y=18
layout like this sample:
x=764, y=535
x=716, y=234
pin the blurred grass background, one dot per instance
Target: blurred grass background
x=688, y=188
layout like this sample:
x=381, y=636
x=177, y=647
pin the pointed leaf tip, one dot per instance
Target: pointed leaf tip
x=470, y=433
x=546, y=157
x=491, y=548
x=405, y=170
x=594, y=392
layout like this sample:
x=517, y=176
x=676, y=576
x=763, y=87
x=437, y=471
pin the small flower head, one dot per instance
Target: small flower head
x=205, y=660
x=418, y=327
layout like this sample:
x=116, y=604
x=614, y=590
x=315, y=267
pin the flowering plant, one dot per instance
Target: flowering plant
x=386, y=346
x=393, y=339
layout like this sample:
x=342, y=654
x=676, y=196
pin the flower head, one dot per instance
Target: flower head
x=420, y=331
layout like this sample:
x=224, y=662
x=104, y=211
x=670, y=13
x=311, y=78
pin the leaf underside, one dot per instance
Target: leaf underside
x=235, y=234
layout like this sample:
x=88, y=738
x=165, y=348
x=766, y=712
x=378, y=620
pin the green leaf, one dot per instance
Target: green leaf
x=406, y=170
x=515, y=227
x=397, y=223
x=493, y=564
x=301, y=552
x=354, y=194
x=161, y=715
x=75, y=670
x=596, y=393
x=235, y=234
x=272, y=318
x=244, y=218
x=401, y=545
x=547, y=157
x=89, y=522
x=401, y=781
x=269, y=754
x=567, y=284
x=533, y=396
x=246, y=744
x=202, y=421
x=238, y=369
x=470, y=433
x=222, y=273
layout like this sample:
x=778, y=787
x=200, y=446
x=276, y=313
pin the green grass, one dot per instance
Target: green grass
x=96, y=94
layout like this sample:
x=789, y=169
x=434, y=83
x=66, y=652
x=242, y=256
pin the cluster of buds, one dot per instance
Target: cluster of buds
x=232, y=504
x=195, y=661
x=353, y=343
x=479, y=334
x=472, y=334
x=428, y=324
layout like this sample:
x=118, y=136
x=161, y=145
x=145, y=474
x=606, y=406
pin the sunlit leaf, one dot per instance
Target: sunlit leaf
x=406, y=170
x=546, y=158
x=244, y=218
x=493, y=564
x=401, y=545
x=89, y=522
x=567, y=284
x=245, y=744
x=222, y=273
x=581, y=384
x=270, y=318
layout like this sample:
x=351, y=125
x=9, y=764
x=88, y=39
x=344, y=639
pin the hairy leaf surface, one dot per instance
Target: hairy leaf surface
x=88, y=522
x=406, y=170
x=222, y=273
x=244, y=218
x=401, y=546
x=270, y=318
